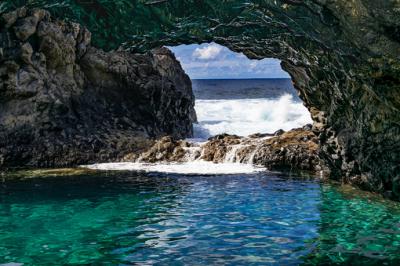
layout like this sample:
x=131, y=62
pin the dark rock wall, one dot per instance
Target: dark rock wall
x=343, y=57
x=64, y=102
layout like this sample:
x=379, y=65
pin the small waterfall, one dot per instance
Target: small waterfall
x=218, y=156
x=231, y=155
x=252, y=155
x=238, y=152
x=192, y=153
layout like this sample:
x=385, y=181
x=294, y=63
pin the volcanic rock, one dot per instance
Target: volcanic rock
x=64, y=102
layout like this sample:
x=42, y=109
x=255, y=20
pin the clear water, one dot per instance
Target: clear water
x=158, y=219
x=245, y=107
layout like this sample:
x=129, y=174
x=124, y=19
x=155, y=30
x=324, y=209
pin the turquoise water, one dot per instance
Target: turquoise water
x=149, y=219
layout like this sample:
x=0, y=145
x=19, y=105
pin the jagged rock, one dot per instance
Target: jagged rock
x=165, y=150
x=343, y=57
x=279, y=132
x=260, y=135
x=63, y=102
x=296, y=149
x=25, y=27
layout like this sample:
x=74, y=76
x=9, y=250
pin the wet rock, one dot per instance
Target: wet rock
x=343, y=58
x=166, y=150
x=260, y=135
x=307, y=127
x=279, y=132
x=296, y=149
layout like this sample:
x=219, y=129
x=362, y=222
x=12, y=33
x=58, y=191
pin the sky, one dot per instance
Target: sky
x=213, y=61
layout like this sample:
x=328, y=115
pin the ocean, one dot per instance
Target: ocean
x=199, y=213
x=246, y=106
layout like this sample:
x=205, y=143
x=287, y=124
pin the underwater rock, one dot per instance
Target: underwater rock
x=64, y=102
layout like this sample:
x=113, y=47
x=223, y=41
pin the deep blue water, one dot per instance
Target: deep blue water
x=223, y=89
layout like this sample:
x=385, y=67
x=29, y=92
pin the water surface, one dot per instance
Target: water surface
x=245, y=107
x=125, y=218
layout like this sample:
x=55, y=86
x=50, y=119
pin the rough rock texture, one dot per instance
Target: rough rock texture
x=343, y=57
x=63, y=102
x=296, y=149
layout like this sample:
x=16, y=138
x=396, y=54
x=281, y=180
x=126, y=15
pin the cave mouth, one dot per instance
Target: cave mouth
x=237, y=95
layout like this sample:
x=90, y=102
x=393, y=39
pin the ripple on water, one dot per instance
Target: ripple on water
x=240, y=219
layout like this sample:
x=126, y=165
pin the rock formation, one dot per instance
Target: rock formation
x=64, y=102
x=296, y=149
x=343, y=57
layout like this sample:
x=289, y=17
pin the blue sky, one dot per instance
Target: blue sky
x=214, y=61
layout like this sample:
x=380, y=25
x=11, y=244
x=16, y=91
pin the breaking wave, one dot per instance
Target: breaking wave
x=248, y=116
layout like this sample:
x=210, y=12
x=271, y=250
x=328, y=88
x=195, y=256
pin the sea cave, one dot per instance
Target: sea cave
x=92, y=82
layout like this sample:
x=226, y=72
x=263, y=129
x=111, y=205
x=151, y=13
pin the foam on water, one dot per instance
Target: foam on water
x=188, y=168
x=248, y=116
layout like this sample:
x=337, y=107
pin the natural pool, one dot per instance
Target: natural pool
x=127, y=218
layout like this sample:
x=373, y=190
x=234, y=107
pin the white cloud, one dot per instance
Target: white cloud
x=211, y=51
x=215, y=61
x=253, y=64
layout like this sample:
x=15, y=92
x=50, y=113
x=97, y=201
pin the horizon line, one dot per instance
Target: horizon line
x=233, y=78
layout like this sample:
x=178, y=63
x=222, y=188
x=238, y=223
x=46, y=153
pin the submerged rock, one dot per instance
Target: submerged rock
x=64, y=102
x=296, y=149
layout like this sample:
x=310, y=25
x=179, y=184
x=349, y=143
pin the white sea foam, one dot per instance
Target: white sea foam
x=247, y=116
x=241, y=117
x=195, y=167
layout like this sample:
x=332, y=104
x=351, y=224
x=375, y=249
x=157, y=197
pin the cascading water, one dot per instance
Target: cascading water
x=234, y=161
x=246, y=107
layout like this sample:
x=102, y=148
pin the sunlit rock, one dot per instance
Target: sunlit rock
x=343, y=57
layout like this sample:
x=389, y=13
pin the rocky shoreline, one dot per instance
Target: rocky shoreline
x=64, y=102
x=297, y=149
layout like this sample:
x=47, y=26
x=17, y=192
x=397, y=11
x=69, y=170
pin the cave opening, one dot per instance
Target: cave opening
x=237, y=95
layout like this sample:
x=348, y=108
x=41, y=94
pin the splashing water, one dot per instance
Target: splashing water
x=248, y=116
x=188, y=168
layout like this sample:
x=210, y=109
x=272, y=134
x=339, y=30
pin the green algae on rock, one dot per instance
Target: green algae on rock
x=45, y=173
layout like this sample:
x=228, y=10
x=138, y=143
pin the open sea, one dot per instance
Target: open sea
x=247, y=106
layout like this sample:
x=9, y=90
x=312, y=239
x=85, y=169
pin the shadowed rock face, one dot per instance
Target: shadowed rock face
x=63, y=102
x=343, y=57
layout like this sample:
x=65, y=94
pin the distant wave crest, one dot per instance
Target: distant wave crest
x=248, y=116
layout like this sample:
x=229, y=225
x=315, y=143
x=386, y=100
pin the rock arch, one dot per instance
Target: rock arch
x=343, y=57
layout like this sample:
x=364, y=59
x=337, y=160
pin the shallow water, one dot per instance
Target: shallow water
x=123, y=218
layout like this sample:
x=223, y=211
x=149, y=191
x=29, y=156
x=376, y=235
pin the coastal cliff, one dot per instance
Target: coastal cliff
x=343, y=57
x=64, y=102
